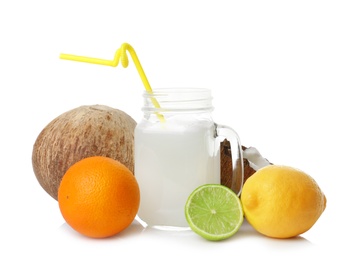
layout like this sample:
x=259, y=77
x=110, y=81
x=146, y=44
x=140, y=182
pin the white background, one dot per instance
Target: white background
x=277, y=71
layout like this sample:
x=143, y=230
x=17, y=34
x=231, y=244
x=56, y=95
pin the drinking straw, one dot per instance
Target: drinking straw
x=120, y=55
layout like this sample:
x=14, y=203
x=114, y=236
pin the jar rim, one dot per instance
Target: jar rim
x=176, y=91
x=178, y=100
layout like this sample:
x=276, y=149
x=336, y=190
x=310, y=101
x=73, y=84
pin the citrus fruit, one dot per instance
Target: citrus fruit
x=214, y=212
x=281, y=201
x=98, y=196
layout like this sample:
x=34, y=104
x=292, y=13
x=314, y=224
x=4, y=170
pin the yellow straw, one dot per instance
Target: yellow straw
x=119, y=56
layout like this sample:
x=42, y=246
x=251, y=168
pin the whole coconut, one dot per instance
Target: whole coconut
x=79, y=133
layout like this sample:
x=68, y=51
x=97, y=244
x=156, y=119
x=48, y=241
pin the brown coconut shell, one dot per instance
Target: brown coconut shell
x=82, y=132
x=227, y=169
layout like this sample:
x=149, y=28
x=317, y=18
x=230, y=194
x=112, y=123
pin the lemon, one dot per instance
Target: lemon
x=281, y=201
x=214, y=212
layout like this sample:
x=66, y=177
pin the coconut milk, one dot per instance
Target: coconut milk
x=172, y=158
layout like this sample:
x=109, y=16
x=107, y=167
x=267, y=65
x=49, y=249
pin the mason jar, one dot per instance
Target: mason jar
x=177, y=149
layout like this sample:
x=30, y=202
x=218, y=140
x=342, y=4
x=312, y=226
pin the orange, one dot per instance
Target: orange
x=282, y=201
x=98, y=197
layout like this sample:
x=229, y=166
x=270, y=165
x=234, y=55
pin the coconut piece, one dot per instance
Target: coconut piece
x=252, y=161
x=79, y=133
x=254, y=158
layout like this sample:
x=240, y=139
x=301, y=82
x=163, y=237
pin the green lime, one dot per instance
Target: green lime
x=214, y=212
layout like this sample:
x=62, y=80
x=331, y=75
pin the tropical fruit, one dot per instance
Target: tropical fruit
x=82, y=132
x=99, y=197
x=281, y=201
x=214, y=212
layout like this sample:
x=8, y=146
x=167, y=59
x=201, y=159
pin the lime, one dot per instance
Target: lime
x=214, y=212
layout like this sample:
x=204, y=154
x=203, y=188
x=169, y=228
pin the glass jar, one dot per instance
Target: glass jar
x=177, y=149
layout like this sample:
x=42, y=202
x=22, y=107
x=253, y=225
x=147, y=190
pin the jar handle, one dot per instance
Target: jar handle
x=236, y=156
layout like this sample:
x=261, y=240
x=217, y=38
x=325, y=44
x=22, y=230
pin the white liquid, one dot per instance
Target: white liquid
x=171, y=160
